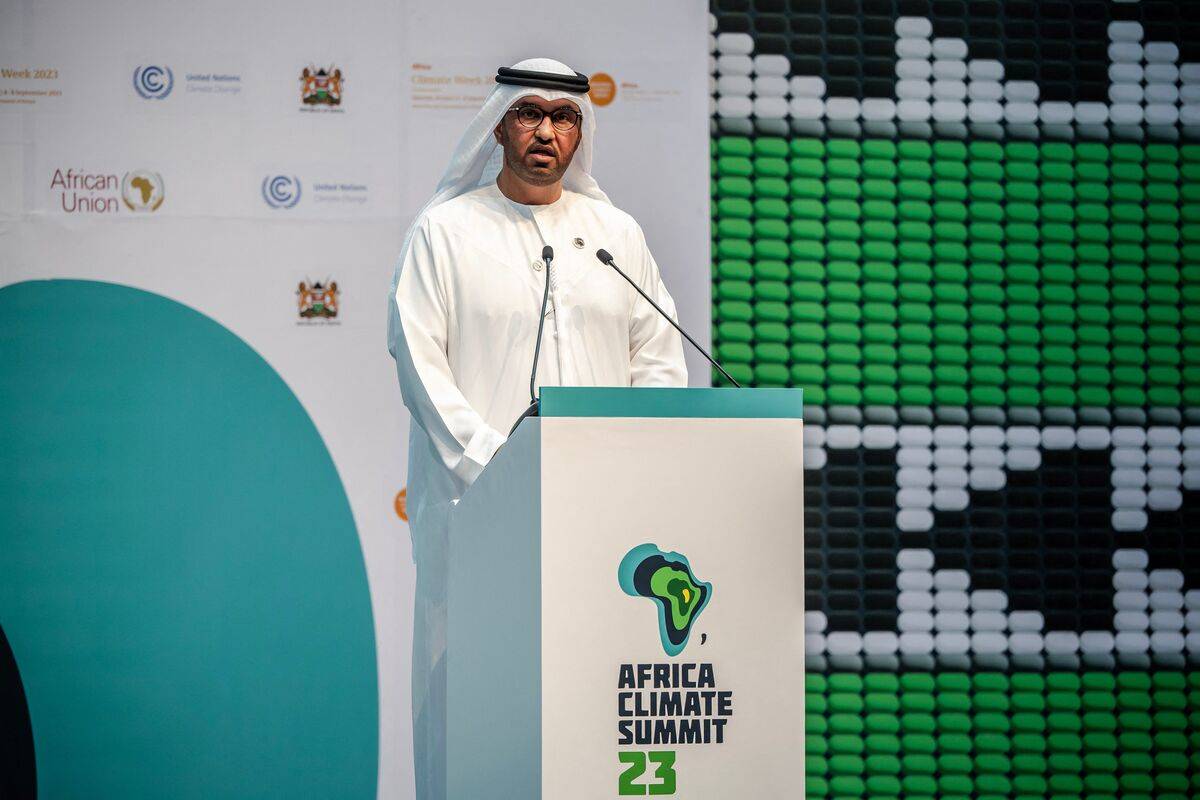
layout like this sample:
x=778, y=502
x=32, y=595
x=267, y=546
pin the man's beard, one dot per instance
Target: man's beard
x=543, y=176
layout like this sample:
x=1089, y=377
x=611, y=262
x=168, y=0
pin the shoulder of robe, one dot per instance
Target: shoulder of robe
x=612, y=218
x=461, y=215
x=607, y=212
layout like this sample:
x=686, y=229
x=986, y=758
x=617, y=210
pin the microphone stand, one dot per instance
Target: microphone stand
x=607, y=259
x=532, y=411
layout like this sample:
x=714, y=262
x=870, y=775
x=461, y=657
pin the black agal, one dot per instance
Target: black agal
x=576, y=83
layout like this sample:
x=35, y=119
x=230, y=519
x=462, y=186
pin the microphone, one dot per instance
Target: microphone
x=547, y=256
x=532, y=411
x=607, y=260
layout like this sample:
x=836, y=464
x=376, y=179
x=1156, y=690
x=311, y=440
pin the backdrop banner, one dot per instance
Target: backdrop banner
x=205, y=579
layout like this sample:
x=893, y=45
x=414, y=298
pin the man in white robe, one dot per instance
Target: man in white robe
x=466, y=300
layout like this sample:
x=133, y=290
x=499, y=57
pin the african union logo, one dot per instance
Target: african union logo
x=666, y=579
x=281, y=191
x=153, y=82
x=142, y=190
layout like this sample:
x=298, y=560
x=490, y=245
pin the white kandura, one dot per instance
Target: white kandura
x=463, y=316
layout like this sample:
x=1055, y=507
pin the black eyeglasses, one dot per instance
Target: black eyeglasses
x=563, y=119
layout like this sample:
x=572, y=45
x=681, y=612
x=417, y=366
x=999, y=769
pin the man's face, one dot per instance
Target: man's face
x=538, y=156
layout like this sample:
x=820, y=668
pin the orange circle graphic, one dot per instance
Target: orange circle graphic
x=401, y=504
x=603, y=89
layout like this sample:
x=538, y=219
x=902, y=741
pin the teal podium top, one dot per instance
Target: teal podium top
x=620, y=401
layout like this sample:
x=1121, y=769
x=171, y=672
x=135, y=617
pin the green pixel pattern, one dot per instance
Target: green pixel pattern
x=989, y=735
x=956, y=273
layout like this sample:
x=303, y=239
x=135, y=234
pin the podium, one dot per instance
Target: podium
x=626, y=601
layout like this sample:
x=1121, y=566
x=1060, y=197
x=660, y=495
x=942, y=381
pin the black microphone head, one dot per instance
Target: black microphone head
x=604, y=257
x=547, y=253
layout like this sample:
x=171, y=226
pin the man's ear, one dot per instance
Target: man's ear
x=498, y=134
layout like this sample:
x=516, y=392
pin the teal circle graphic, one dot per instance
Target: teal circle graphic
x=181, y=581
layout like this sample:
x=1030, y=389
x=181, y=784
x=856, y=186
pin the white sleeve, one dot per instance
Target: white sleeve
x=417, y=334
x=655, y=347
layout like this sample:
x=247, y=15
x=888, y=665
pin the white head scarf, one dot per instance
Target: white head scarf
x=478, y=157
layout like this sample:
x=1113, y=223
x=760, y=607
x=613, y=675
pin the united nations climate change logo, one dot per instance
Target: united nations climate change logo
x=142, y=190
x=153, y=82
x=668, y=581
x=281, y=191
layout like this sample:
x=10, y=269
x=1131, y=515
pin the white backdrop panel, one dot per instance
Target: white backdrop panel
x=217, y=245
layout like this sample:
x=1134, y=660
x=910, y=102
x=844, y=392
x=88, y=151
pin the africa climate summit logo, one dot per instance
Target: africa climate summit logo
x=668, y=581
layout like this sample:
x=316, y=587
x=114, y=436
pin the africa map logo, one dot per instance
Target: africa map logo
x=142, y=190
x=666, y=579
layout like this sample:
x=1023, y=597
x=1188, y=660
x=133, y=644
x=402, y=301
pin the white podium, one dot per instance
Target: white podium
x=626, y=601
